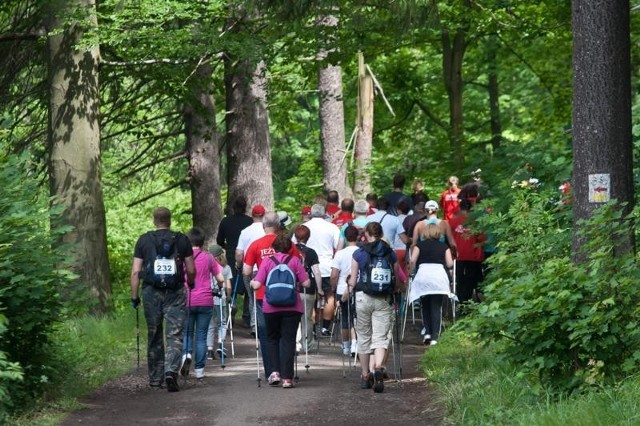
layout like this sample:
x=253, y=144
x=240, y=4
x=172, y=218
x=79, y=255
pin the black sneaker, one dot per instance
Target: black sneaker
x=378, y=385
x=211, y=354
x=366, y=380
x=155, y=385
x=326, y=332
x=171, y=380
x=186, y=363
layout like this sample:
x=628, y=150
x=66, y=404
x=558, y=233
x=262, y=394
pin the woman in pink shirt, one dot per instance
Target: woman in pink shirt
x=281, y=321
x=199, y=304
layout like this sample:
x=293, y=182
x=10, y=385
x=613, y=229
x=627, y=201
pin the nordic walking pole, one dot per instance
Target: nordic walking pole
x=138, y=335
x=221, y=333
x=453, y=299
x=230, y=327
x=398, y=341
x=255, y=318
x=306, y=332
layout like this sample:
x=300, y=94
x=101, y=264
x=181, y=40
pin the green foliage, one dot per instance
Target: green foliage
x=571, y=324
x=10, y=372
x=479, y=387
x=31, y=280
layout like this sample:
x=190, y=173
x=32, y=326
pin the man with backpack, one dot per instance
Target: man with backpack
x=160, y=259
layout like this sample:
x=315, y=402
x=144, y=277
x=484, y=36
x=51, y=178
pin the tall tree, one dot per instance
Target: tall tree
x=602, y=138
x=202, y=151
x=74, y=142
x=364, y=136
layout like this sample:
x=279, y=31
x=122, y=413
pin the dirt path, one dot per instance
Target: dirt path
x=232, y=397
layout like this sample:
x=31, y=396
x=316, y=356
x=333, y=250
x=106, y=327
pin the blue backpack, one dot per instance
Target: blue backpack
x=281, y=284
x=379, y=274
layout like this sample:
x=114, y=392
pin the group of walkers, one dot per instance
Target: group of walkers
x=347, y=258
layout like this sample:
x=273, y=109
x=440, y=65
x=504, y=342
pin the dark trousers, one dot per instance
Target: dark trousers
x=281, y=341
x=431, y=307
x=468, y=274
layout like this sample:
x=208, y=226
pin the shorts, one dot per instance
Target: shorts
x=375, y=316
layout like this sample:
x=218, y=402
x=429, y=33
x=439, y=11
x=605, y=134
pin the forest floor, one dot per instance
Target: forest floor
x=231, y=396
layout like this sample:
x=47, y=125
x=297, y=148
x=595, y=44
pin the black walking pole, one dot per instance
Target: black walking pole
x=138, y=335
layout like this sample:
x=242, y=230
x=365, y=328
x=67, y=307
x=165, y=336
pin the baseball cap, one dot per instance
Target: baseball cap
x=215, y=250
x=258, y=210
x=306, y=210
x=431, y=205
x=284, y=218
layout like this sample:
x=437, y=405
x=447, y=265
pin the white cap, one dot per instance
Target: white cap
x=431, y=205
x=284, y=218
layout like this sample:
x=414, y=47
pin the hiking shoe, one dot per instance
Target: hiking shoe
x=426, y=339
x=433, y=342
x=325, y=332
x=287, y=383
x=366, y=381
x=155, y=385
x=378, y=385
x=199, y=373
x=274, y=379
x=171, y=379
x=385, y=374
x=184, y=366
x=211, y=354
x=221, y=352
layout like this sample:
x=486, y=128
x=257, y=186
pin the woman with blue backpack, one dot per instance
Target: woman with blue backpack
x=283, y=276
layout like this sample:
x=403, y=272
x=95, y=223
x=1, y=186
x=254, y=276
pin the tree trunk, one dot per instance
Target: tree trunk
x=247, y=138
x=202, y=149
x=452, y=58
x=334, y=159
x=602, y=138
x=74, y=144
x=494, y=95
x=364, y=137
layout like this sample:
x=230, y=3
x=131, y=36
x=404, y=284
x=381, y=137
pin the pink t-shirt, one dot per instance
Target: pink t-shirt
x=298, y=270
x=206, y=266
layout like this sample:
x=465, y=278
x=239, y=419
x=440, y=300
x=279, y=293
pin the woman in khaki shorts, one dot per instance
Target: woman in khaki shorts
x=374, y=312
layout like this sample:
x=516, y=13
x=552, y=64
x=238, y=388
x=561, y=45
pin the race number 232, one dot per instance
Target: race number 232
x=165, y=266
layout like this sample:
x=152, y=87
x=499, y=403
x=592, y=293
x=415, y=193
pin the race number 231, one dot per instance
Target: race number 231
x=380, y=275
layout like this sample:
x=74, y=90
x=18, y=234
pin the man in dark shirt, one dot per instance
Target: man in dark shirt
x=163, y=295
x=227, y=238
x=395, y=196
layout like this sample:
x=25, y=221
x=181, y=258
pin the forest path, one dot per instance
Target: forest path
x=231, y=396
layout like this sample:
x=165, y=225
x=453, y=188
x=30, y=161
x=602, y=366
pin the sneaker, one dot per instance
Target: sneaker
x=199, y=373
x=426, y=339
x=184, y=366
x=346, y=349
x=423, y=331
x=287, y=383
x=354, y=348
x=378, y=385
x=366, y=381
x=274, y=379
x=252, y=333
x=171, y=379
x=221, y=352
x=211, y=354
x=433, y=342
x=155, y=385
x=325, y=332
x=385, y=374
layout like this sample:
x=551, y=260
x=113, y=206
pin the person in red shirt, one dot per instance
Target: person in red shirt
x=257, y=251
x=449, y=198
x=332, y=207
x=346, y=213
x=470, y=254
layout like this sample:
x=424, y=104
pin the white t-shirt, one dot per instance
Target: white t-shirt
x=249, y=235
x=324, y=240
x=342, y=262
x=391, y=226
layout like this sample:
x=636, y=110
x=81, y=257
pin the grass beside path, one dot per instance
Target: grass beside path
x=478, y=388
x=90, y=351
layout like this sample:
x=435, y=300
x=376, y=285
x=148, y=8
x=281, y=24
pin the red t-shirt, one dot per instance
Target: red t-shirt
x=260, y=249
x=332, y=209
x=469, y=245
x=343, y=217
x=449, y=203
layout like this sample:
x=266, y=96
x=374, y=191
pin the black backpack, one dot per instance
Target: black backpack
x=379, y=276
x=164, y=269
x=362, y=239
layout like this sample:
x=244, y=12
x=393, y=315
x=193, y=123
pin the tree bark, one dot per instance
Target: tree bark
x=247, y=138
x=452, y=59
x=202, y=151
x=364, y=137
x=602, y=138
x=74, y=148
x=331, y=112
x=494, y=95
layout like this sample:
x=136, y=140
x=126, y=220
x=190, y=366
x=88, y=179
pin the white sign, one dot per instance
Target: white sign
x=599, y=188
x=164, y=266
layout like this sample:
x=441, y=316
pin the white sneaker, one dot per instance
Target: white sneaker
x=184, y=366
x=433, y=342
x=199, y=373
x=354, y=347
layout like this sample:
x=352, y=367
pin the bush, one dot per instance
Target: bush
x=570, y=324
x=29, y=279
x=9, y=372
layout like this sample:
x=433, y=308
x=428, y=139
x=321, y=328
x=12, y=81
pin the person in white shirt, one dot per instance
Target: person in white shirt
x=391, y=226
x=324, y=240
x=247, y=236
x=340, y=270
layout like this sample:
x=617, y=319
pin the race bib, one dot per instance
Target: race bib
x=380, y=276
x=165, y=266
